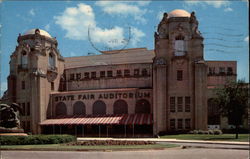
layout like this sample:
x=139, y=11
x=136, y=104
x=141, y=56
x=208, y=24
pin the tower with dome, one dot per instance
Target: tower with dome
x=136, y=92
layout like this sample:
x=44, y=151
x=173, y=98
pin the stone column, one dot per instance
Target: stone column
x=200, y=82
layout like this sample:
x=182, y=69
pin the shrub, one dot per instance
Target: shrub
x=110, y=142
x=211, y=132
x=217, y=132
x=36, y=139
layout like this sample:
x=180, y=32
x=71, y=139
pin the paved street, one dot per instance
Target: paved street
x=173, y=153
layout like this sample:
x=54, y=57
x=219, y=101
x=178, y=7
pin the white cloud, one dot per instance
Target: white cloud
x=32, y=12
x=119, y=8
x=216, y=4
x=79, y=23
x=76, y=20
x=47, y=27
x=143, y=3
x=136, y=35
x=228, y=9
x=246, y=39
x=0, y=26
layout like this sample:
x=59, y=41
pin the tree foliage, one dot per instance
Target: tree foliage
x=232, y=100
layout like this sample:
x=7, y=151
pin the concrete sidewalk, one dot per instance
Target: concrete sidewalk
x=166, y=140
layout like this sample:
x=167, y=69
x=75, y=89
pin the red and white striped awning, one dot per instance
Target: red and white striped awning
x=125, y=119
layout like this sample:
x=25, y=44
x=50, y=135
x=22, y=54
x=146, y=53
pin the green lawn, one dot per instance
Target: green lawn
x=63, y=147
x=223, y=137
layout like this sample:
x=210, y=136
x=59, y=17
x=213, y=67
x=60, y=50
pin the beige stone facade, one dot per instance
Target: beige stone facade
x=172, y=83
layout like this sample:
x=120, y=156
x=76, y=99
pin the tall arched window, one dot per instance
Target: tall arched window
x=179, y=45
x=213, y=112
x=120, y=107
x=99, y=108
x=24, y=59
x=51, y=60
x=79, y=108
x=61, y=109
x=142, y=107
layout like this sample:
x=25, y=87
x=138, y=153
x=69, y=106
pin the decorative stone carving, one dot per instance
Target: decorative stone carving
x=39, y=73
x=162, y=27
x=51, y=76
x=10, y=115
x=160, y=61
x=194, y=25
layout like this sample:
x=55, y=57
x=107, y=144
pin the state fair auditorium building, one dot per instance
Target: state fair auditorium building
x=133, y=92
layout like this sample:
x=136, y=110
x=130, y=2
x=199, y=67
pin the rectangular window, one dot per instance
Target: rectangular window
x=172, y=104
x=110, y=73
x=172, y=124
x=126, y=73
x=187, y=104
x=102, y=74
x=179, y=123
x=78, y=76
x=179, y=48
x=136, y=72
x=187, y=123
x=28, y=109
x=86, y=75
x=23, y=84
x=144, y=72
x=118, y=73
x=23, y=109
x=179, y=75
x=179, y=104
x=222, y=71
x=93, y=74
x=52, y=86
x=72, y=76
x=229, y=70
x=211, y=70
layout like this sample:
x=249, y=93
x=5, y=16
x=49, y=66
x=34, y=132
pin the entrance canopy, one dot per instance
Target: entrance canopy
x=118, y=119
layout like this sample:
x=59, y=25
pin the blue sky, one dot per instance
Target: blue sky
x=79, y=24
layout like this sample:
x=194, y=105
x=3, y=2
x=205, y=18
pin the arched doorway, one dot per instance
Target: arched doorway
x=99, y=108
x=61, y=109
x=79, y=108
x=142, y=107
x=120, y=107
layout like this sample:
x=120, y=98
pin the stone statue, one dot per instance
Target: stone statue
x=194, y=25
x=10, y=115
x=162, y=27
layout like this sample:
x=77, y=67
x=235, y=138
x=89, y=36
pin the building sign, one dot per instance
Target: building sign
x=102, y=96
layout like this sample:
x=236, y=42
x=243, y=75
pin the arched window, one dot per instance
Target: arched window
x=79, y=108
x=120, y=107
x=179, y=45
x=51, y=61
x=61, y=109
x=99, y=108
x=24, y=59
x=142, y=107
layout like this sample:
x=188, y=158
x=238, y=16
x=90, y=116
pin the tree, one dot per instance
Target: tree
x=232, y=100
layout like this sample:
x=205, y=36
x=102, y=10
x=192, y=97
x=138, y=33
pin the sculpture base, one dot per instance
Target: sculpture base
x=11, y=130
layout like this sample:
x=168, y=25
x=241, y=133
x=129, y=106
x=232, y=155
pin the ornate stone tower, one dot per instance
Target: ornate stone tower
x=35, y=70
x=179, y=77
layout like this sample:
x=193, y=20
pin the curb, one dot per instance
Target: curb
x=169, y=140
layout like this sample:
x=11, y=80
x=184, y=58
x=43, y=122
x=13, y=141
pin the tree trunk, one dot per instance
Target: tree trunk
x=236, y=131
